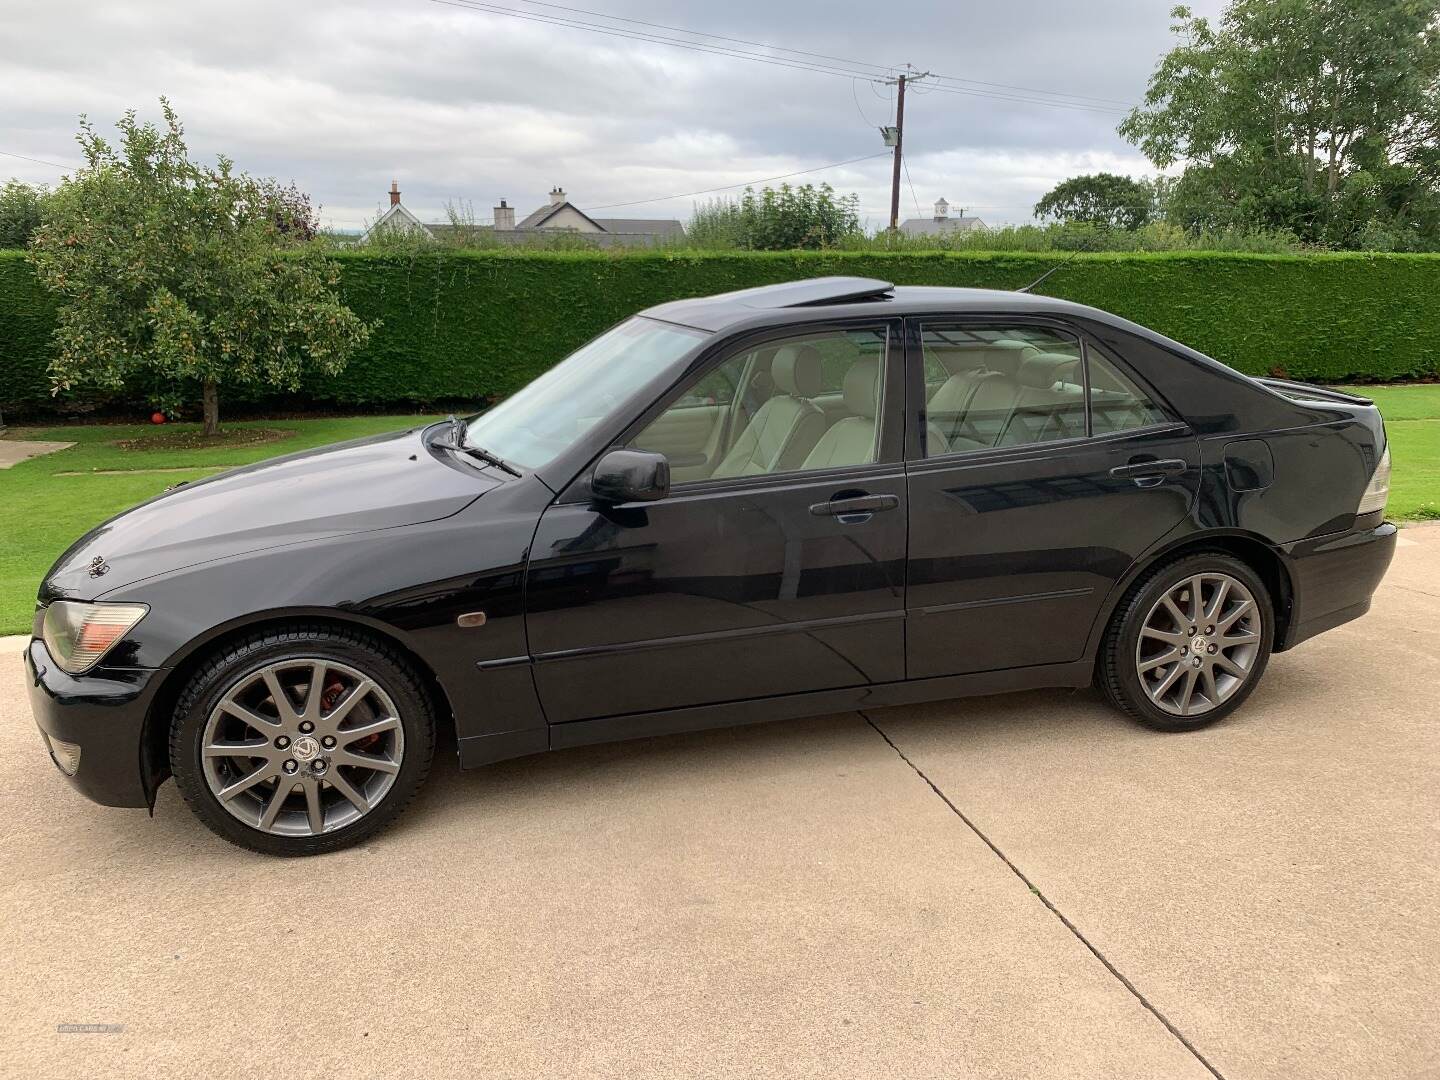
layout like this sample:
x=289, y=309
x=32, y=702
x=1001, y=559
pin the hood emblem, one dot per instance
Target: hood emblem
x=98, y=566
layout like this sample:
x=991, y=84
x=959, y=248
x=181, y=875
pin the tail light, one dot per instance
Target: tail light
x=1378, y=490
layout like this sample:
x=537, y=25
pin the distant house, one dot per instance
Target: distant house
x=559, y=215
x=396, y=218
x=942, y=224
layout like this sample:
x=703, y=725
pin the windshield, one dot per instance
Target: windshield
x=536, y=424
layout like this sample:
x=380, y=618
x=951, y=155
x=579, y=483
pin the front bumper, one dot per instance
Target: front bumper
x=104, y=714
x=1334, y=578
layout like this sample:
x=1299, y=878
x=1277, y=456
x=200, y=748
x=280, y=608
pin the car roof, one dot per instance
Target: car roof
x=828, y=297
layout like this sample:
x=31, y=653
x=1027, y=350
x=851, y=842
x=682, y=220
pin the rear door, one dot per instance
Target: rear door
x=1039, y=469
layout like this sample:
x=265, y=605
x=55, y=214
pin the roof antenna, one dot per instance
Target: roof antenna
x=1058, y=266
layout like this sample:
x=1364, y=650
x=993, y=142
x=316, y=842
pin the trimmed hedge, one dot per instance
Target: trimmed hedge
x=471, y=325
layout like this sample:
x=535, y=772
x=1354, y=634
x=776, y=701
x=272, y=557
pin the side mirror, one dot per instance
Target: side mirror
x=623, y=476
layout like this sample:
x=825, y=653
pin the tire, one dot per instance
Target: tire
x=366, y=751
x=1144, y=632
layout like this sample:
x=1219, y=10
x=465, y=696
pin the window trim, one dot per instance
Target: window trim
x=987, y=455
x=893, y=416
x=915, y=389
x=750, y=343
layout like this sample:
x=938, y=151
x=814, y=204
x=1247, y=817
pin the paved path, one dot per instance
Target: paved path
x=14, y=451
x=1022, y=886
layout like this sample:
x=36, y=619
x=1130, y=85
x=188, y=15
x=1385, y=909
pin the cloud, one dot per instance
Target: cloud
x=344, y=95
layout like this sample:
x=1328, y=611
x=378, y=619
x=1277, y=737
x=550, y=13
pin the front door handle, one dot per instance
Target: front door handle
x=1150, y=473
x=855, y=507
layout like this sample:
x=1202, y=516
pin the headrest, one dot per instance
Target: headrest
x=796, y=369
x=971, y=356
x=1042, y=370
x=1007, y=356
x=862, y=387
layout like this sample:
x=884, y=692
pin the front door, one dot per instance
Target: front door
x=781, y=571
x=1042, y=472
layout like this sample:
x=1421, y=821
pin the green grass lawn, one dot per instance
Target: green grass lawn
x=43, y=508
x=1412, y=420
x=48, y=502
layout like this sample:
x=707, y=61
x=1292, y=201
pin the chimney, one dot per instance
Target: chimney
x=504, y=217
x=942, y=209
x=394, y=193
x=557, y=196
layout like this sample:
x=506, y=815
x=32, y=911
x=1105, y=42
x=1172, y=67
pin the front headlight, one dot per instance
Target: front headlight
x=79, y=634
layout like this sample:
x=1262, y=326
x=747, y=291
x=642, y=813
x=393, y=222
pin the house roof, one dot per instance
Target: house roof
x=651, y=226
x=932, y=226
x=405, y=220
x=545, y=213
x=645, y=226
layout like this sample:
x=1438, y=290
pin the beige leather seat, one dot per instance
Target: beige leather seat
x=982, y=419
x=1049, y=402
x=851, y=440
x=782, y=433
x=970, y=365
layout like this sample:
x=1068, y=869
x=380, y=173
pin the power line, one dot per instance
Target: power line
x=856, y=97
x=915, y=198
x=1107, y=110
x=1035, y=90
x=746, y=183
x=36, y=160
x=654, y=39
x=886, y=69
x=823, y=63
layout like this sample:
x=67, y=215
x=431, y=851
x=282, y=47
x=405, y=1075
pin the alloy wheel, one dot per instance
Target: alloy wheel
x=302, y=747
x=1199, y=644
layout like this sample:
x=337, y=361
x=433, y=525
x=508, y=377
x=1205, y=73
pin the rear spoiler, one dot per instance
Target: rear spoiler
x=1315, y=393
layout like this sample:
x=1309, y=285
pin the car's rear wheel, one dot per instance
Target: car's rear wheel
x=1189, y=642
x=299, y=741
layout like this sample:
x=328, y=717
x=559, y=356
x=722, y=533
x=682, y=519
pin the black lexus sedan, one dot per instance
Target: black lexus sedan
x=825, y=495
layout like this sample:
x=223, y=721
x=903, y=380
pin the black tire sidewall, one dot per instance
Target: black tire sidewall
x=1124, y=679
x=218, y=675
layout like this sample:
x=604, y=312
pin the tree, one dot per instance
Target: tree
x=778, y=219
x=1274, y=109
x=1103, y=199
x=19, y=212
x=197, y=273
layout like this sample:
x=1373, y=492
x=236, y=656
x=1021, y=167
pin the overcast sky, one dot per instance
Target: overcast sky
x=461, y=105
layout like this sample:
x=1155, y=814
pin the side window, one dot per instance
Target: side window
x=1116, y=403
x=1000, y=385
x=716, y=388
x=801, y=403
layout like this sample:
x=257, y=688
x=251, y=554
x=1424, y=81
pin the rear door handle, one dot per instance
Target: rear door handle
x=1150, y=473
x=855, y=506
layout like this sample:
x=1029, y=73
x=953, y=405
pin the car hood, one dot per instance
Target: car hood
x=374, y=483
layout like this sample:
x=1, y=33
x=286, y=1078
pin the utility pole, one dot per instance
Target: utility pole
x=899, y=144
x=899, y=149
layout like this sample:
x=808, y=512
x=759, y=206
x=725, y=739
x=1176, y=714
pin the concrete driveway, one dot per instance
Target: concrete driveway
x=1025, y=886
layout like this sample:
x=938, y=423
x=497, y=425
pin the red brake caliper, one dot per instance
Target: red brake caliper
x=333, y=690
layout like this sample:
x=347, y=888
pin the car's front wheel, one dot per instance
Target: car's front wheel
x=1188, y=643
x=299, y=741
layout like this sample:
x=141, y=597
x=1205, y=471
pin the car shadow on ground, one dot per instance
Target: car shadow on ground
x=454, y=800
x=672, y=765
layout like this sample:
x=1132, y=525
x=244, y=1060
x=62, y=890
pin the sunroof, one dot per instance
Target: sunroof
x=813, y=292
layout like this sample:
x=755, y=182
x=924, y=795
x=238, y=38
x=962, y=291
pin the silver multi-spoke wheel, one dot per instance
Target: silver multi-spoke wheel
x=1199, y=644
x=302, y=747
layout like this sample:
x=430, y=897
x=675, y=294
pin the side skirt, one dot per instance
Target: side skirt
x=816, y=703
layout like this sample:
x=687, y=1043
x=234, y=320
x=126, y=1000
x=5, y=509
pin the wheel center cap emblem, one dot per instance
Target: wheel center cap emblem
x=305, y=748
x=1199, y=645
